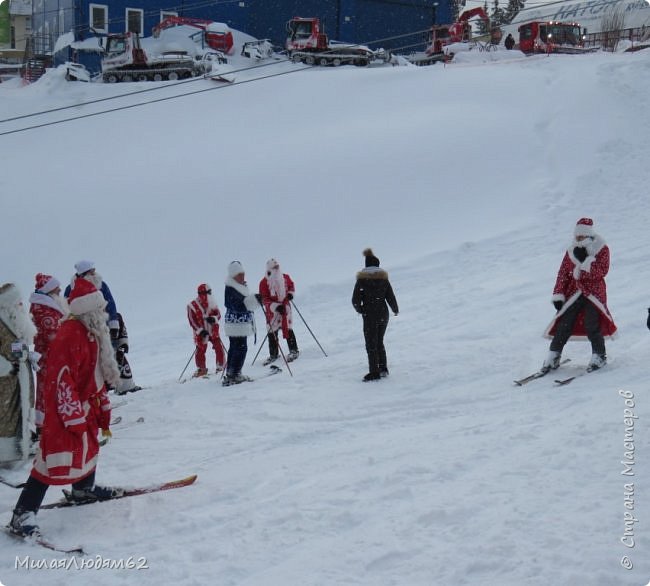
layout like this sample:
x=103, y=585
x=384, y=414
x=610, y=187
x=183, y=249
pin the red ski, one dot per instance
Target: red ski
x=69, y=502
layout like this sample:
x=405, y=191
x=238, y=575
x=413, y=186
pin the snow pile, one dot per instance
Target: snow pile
x=466, y=182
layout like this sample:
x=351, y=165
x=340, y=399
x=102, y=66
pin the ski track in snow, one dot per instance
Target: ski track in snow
x=443, y=474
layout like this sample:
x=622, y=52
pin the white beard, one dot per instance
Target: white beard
x=95, y=279
x=95, y=322
x=276, y=284
x=14, y=314
x=212, y=304
x=61, y=302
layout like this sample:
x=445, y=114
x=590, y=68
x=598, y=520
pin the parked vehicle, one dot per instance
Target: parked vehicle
x=215, y=35
x=551, y=37
x=125, y=60
x=307, y=43
x=442, y=35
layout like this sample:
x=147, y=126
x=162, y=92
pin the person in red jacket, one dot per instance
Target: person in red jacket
x=80, y=359
x=204, y=315
x=47, y=308
x=276, y=290
x=580, y=298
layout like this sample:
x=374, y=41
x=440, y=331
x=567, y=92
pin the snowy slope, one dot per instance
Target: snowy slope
x=467, y=182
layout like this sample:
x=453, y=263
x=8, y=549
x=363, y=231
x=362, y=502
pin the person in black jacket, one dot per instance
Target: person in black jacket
x=509, y=42
x=371, y=294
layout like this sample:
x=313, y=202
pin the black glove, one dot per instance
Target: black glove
x=259, y=298
x=580, y=252
x=123, y=348
x=211, y=319
x=648, y=322
x=15, y=367
x=558, y=305
x=280, y=309
x=204, y=334
x=289, y=296
x=115, y=333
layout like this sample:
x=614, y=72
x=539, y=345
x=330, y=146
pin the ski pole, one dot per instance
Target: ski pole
x=260, y=348
x=225, y=362
x=303, y=321
x=277, y=341
x=188, y=363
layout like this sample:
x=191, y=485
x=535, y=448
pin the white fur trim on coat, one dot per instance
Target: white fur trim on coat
x=91, y=302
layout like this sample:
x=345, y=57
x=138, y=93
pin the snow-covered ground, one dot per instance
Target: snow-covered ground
x=466, y=180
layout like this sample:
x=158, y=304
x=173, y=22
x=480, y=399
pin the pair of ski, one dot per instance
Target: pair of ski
x=69, y=502
x=273, y=369
x=289, y=358
x=558, y=382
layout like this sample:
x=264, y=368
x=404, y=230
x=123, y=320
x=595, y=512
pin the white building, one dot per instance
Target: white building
x=19, y=29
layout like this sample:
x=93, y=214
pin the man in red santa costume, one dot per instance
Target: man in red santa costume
x=204, y=315
x=580, y=298
x=80, y=359
x=47, y=308
x=276, y=289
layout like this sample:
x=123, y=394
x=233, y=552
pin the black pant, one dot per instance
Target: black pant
x=33, y=493
x=273, y=343
x=373, y=332
x=237, y=349
x=591, y=317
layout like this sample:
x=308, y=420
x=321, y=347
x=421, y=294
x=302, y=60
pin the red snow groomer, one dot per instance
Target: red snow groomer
x=551, y=37
x=307, y=43
x=215, y=35
x=460, y=31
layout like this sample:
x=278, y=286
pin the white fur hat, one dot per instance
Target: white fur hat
x=235, y=268
x=271, y=264
x=83, y=266
x=584, y=227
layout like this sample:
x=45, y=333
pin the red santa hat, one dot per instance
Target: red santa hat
x=584, y=227
x=204, y=289
x=46, y=283
x=85, y=297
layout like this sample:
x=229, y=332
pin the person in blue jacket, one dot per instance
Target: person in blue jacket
x=239, y=321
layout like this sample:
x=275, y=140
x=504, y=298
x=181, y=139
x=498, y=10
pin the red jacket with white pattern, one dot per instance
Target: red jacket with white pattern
x=198, y=310
x=271, y=301
x=76, y=407
x=586, y=278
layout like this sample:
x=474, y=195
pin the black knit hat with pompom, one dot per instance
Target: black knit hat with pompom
x=371, y=259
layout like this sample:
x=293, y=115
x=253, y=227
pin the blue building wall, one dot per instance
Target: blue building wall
x=356, y=21
x=371, y=22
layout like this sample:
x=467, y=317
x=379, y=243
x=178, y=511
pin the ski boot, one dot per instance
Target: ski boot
x=371, y=376
x=292, y=355
x=269, y=360
x=597, y=362
x=234, y=379
x=23, y=523
x=552, y=362
x=95, y=493
x=200, y=372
